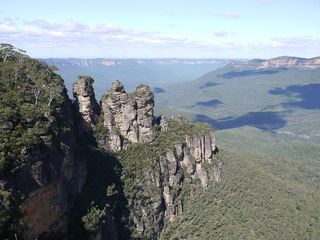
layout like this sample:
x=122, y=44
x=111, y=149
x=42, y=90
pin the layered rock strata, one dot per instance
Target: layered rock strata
x=85, y=101
x=127, y=117
x=177, y=174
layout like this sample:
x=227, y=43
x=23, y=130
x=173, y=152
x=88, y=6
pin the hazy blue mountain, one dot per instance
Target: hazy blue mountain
x=132, y=72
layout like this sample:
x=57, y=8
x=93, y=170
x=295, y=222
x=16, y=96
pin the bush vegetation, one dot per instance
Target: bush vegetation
x=259, y=197
x=30, y=94
x=29, y=91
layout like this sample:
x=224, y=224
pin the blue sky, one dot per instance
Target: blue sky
x=166, y=28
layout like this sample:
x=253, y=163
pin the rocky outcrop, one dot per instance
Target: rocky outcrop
x=144, y=102
x=85, y=101
x=53, y=179
x=163, y=124
x=177, y=158
x=127, y=117
x=191, y=163
x=173, y=176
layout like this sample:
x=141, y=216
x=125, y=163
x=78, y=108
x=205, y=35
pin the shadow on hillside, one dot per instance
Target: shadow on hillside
x=158, y=90
x=260, y=120
x=103, y=170
x=208, y=84
x=103, y=173
x=210, y=103
x=246, y=73
x=309, y=95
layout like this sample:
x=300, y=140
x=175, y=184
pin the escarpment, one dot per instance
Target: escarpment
x=40, y=171
x=94, y=171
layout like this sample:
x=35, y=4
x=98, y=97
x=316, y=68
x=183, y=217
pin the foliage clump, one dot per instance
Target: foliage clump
x=29, y=92
x=11, y=220
x=32, y=98
x=93, y=218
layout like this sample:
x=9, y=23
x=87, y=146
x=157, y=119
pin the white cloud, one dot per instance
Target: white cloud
x=73, y=34
x=7, y=29
x=296, y=42
x=42, y=38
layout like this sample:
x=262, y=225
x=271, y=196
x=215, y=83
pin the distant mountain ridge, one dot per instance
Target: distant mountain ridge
x=108, y=62
x=283, y=61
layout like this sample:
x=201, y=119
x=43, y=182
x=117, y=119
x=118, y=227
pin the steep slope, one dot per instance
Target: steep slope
x=161, y=176
x=40, y=172
x=161, y=162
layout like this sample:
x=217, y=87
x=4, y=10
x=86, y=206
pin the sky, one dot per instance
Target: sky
x=162, y=29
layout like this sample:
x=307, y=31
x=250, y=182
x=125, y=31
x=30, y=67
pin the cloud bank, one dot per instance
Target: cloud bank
x=43, y=38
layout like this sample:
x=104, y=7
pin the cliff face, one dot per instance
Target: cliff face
x=161, y=176
x=127, y=117
x=279, y=62
x=164, y=161
x=40, y=172
x=190, y=164
x=77, y=62
x=52, y=180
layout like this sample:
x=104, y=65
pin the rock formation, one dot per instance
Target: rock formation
x=143, y=98
x=176, y=174
x=85, y=101
x=164, y=124
x=44, y=161
x=127, y=117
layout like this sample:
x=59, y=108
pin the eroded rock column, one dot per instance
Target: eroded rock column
x=85, y=101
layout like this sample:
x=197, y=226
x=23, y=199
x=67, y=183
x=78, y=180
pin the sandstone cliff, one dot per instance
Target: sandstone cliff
x=279, y=62
x=85, y=101
x=127, y=117
x=160, y=176
x=164, y=161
